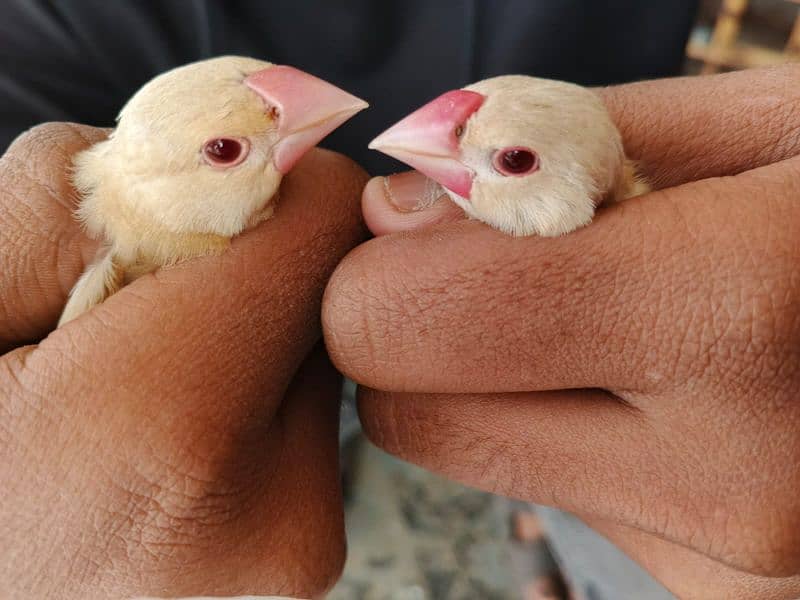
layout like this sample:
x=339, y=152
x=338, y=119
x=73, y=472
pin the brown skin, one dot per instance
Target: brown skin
x=181, y=438
x=643, y=372
x=167, y=451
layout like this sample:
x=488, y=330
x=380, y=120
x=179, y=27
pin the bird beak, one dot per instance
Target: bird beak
x=308, y=109
x=428, y=140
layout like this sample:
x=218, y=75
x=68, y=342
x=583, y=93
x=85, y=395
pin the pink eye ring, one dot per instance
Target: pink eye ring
x=516, y=161
x=225, y=152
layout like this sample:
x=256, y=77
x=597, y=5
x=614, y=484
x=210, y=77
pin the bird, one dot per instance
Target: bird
x=196, y=157
x=525, y=155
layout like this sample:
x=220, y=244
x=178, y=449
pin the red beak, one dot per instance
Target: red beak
x=428, y=140
x=308, y=110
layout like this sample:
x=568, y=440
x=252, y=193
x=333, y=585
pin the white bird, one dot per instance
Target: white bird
x=524, y=155
x=196, y=158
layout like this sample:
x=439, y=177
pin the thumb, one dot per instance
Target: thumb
x=404, y=202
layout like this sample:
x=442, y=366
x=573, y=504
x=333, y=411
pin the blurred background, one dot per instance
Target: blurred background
x=737, y=34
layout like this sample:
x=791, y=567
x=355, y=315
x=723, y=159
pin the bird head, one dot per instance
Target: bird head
x=202, y=148
x=521, y=154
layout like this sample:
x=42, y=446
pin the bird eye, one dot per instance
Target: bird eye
x=225, y=152
x=516, y=161
x=459, y=131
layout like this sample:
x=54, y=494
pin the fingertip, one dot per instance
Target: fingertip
x=405, y=202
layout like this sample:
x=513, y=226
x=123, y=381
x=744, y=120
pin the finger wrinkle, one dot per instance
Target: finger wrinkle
x=15, y=366
x=58, y=363
x=744, y=130
x=438, y=431
x=24, y=229
x=354, y=316
x=63, y=196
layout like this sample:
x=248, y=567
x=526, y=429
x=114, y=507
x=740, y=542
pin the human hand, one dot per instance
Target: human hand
x=642, y=373
x=181, y=438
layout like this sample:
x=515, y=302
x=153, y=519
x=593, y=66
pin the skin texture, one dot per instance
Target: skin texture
x=180, y=439
x=641, y=372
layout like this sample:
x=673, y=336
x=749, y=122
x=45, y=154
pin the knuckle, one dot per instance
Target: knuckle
x=782, y=115
x=54, y=139
x=37, y=137
x=38, y=234
x=191, y=479
x=28, y=387
x=23, y=405
x=177, y=508
x=194, y=512
x=38, y=160
x=33, y=176
x=730, y=490
x=429, y=431
x=727, y=517
x=738, y=330
x=758, y=337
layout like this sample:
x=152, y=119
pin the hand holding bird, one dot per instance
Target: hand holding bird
x=638, y=366
x=196, y=158
x=524, y=155
x=154, y=441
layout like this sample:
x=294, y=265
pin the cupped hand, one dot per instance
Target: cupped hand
x=643, y=372
x=181, y=438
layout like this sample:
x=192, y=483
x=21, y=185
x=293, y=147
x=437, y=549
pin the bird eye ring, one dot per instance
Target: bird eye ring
x=516, y=161
x=225, y=152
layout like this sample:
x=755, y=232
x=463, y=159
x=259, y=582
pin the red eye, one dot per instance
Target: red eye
x=225, y=152
x=516, y=161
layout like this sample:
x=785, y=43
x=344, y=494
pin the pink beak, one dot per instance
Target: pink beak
x=428, y=140
x=308, y=109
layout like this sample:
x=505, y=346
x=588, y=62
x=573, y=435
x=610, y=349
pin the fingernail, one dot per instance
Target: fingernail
x=411, y=191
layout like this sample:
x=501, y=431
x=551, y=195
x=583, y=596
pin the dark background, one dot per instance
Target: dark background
x=79, y=60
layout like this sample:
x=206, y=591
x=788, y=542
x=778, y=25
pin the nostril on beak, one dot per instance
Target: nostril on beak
x=429, y=139
x=307, y=109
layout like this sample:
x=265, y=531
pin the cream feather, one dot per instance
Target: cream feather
x=152, y=194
